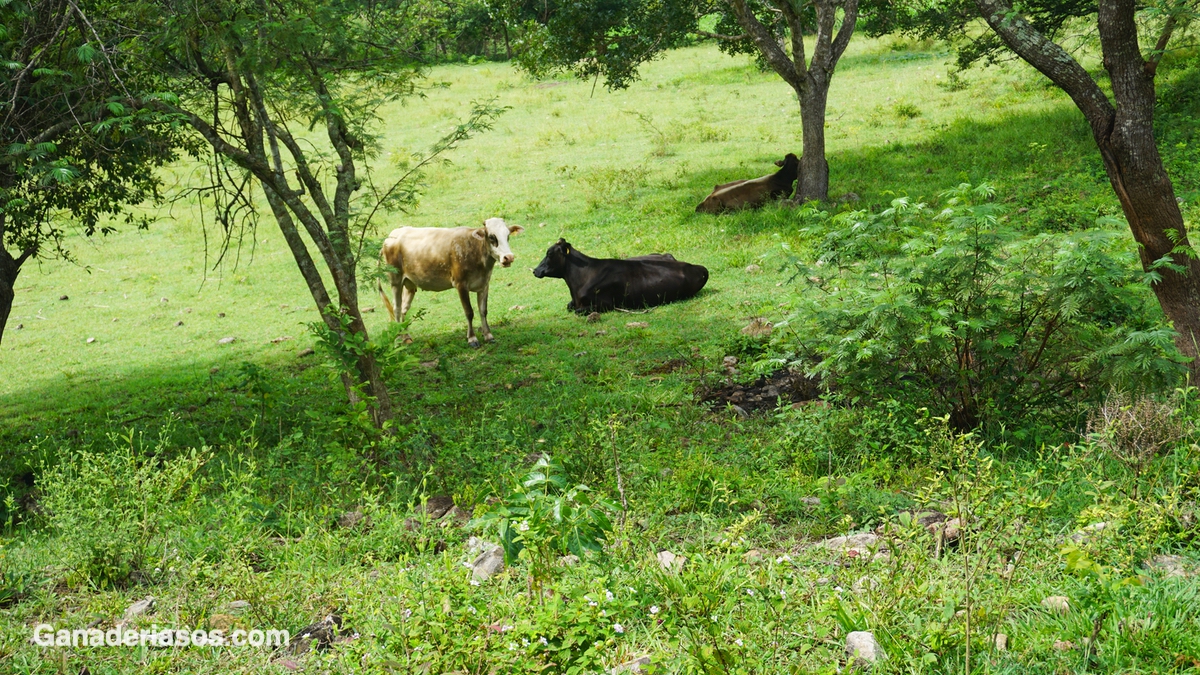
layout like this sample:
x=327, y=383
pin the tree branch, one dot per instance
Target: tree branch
x=718, y=36
x=767, y=46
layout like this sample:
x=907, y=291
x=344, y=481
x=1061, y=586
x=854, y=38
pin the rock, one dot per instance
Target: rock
x=1168, y=565
x=739, y=411
x=139, y=608
x=475, y=546
x=1023, y=209
x=670, y=562
x=429, y=365
x=222, y=622
x=369, y=310
x=1088, y=533
x=91, y=340
x=319, y=635
x=1000, y=640
x=352, y=519
x=638, y=665
x=178, y=323
x=226, y=340
x=1058, y=604
x=753, y=269
x=220, y=315
x=601, y=332
x=281, y=338
x=579, y=354
x=438, y=506
x=862, y=649
x=163, y=300
x=305, y=352
x=570, y=560
x=850, y=197
x=454, y=516
x=866, y=544
x=593, y=317
x=753, y=555
x=810, y=501
x=516, y=308
x=238, y=605
x=637, y=324
x=21, y=325
x=758, y=328
x=1063, y=645
x=187, y=310
x=949, y=531
x=488, y=564
x=63, y=297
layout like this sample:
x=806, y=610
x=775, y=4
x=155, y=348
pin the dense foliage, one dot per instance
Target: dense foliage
x=952, y=310
x=79, y=142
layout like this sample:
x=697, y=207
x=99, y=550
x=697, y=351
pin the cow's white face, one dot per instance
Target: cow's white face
x=496, y=233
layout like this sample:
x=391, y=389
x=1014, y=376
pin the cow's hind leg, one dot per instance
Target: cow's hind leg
x=464, y=296
x=405, y=292
x=482, y=298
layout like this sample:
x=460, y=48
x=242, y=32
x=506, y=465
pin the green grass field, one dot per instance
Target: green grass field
x=617, y=174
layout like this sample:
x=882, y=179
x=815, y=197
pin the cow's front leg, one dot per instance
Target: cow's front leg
x=464, y=296
x=482, y=297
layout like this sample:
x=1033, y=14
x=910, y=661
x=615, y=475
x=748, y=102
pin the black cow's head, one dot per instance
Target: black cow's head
x=555, y=262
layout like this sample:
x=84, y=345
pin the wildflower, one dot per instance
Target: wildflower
x=524, y=526
x=653, y=610
x=524, y=642
x=474, y=582
x=738, y=642
x=608, y=595
x=157, y=570
x=619, y=628
x=750, y=592
x=407, y=613
x=544, y=642
x=471, y=609
x=604, y=612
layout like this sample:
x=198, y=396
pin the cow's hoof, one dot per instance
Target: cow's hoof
x=489, y=338
x=473, y=343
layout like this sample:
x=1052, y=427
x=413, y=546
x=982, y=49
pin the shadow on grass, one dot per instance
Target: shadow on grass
x=1045, y=162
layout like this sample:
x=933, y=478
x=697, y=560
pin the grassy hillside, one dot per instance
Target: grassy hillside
x=224, y=467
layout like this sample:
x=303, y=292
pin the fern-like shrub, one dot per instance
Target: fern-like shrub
x=951, y=310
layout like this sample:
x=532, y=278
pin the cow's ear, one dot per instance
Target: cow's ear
x=779, y=162
x=481, y=233
x=514, y=230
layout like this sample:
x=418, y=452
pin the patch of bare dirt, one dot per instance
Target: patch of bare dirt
x=765, y=393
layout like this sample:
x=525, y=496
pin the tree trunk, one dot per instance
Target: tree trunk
x=1124, y=134
x=1147, y=198
x=7, y=294
x=813, y=183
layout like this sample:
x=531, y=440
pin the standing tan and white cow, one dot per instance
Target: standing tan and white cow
x=441, y=258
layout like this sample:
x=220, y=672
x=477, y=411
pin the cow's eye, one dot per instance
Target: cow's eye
x=493, y=239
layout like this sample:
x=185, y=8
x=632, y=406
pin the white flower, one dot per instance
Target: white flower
x=543, y=641
x=474, y=582
x=738, y=642
x=618, y=628
x=524, y=526
x=654, y=610
x=471, y=609
x=524, y=642
x=407, y=613
x=157, y=570
x=593, y=603
x=604, y=612
x=750, y=592
x=608, y=595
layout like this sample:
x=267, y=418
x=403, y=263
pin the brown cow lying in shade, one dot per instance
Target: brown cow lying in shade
x=753, y=193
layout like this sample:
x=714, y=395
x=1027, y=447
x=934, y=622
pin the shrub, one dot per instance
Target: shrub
x=542, y=519
x=109, y=510
x=952, y=311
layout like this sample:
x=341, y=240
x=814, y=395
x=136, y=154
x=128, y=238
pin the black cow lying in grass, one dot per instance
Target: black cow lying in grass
x=599, y=285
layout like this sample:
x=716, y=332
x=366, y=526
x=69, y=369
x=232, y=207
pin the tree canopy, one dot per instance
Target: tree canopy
x=81, y=142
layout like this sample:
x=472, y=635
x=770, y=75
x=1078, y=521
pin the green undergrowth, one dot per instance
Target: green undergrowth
x=155, y=461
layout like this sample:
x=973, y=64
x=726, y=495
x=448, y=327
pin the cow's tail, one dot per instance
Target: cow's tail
x=387, y=302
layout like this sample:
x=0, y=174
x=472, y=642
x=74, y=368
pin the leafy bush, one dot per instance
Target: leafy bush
x=952, y=311
x=109, y=510
x=542, y=519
